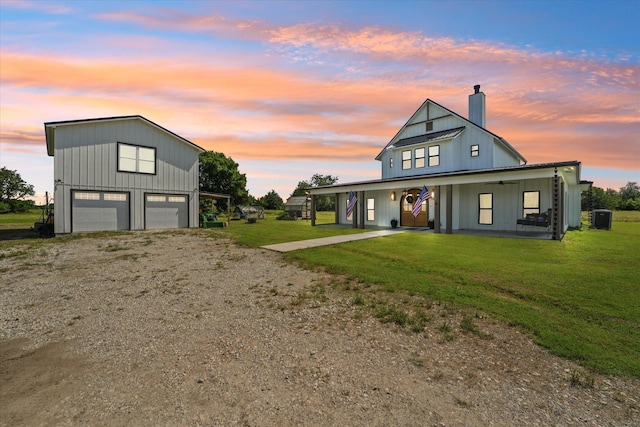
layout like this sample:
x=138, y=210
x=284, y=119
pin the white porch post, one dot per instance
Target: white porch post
x=436, y=209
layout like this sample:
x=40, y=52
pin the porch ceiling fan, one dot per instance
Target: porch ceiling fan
x=501, y=182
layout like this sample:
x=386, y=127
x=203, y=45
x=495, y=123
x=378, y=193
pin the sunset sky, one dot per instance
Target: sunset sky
x=289, y=89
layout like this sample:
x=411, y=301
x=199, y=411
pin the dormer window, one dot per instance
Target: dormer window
x=475, y=150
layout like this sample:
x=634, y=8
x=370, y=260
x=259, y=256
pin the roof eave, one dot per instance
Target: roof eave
x=490, y=171
x=51, y=126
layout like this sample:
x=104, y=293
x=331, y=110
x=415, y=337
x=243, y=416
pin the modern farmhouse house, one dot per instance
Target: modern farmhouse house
x=122, y=173
x=473, y=180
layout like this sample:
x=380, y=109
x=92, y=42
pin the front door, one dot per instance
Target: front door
x=406, y=207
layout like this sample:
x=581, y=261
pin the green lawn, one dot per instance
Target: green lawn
x=580, y=297
x=15, y=226
x=270, y=231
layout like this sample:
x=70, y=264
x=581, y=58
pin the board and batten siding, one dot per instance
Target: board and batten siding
x=455, y=154
x=86, y=158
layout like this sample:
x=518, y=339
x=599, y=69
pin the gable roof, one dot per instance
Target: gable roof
x=49, y=128
x=501, y=140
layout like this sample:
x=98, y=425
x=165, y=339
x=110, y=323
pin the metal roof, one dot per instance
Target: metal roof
x=430, y=137
x=572, y=166
x=427, y=101
x=49, y=128
x=296, y=201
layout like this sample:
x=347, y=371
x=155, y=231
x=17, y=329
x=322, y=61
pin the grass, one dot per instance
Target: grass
x=16, y=226
x=271, y=231
x=578, y=298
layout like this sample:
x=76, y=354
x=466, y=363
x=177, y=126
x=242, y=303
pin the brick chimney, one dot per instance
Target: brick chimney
x=477, y=109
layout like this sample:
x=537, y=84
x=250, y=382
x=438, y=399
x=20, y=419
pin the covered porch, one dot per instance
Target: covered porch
x=489, y=203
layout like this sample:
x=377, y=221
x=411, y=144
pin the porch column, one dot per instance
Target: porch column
x=361, y=208
x=449, y=213
x=436, y=209
x=354, y=214
x=313, y=210
x=337, y=210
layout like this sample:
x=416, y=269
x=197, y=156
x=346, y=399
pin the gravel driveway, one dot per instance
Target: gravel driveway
x=181, y=329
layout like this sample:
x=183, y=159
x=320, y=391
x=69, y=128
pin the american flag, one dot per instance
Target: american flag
x=351, y=203
x=424, y=195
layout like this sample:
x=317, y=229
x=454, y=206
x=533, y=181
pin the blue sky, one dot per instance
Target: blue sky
x=289, y=89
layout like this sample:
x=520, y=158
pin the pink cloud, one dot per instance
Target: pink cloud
x=48, y=7
x=550, y=106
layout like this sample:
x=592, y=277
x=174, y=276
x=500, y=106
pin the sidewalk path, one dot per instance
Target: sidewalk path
x=312, y=243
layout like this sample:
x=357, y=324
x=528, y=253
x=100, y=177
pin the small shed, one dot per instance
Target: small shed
x=246, y=212
x=299, y=207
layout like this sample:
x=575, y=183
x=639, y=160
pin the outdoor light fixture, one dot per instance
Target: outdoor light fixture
x=393, y=196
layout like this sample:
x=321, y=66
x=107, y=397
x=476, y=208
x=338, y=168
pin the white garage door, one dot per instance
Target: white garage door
x=99, y=211
x=166, y=211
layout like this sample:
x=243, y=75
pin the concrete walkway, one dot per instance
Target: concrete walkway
x=312, y=243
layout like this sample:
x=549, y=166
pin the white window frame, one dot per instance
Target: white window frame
x=434, y=155
x=136, y=159
x=371, y=205
x=86, y=195
x=406, y=159
x=485, y=208
x=475, y=150
x=115, y=197
x=419, y=158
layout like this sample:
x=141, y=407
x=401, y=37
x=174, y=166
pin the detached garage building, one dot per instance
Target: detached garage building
x=122, y=173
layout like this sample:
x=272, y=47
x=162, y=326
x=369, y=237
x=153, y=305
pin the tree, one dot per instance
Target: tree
x=12, y=190
x=323, y=203
x=629, y=197
x=600, y=199
x=220, y=174
x=271, y=200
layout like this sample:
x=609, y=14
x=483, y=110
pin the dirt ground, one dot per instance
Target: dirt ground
x=180, y=329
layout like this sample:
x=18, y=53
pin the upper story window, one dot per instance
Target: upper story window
x=475, y=150
x=391, y=162
x=419, y=162
x=434, y=155
x=530, y=203
x=133, y=158
x=429, y=126
x=406, y=159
